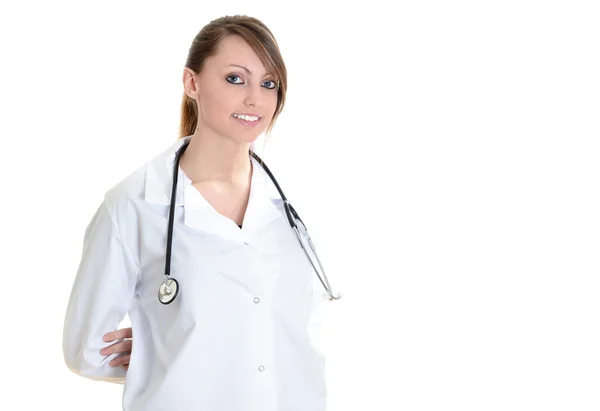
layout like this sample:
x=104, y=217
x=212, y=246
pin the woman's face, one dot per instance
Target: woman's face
x=233, y=82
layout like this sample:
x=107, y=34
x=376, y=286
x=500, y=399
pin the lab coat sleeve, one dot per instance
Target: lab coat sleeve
x=102, y=293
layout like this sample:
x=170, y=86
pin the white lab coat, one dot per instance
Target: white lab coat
x=242, y=333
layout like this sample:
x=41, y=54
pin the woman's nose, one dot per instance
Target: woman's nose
x=253, y=98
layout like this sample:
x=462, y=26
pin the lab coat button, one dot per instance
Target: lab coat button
x=261, y=368
x=256, y=300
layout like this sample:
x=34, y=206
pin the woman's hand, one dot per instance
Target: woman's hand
x=120, y=347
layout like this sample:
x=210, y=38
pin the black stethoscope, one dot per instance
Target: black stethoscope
x=170, y=287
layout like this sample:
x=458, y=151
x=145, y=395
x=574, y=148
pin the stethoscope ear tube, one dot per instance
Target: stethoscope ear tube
x=290, y=212
x=293, y=220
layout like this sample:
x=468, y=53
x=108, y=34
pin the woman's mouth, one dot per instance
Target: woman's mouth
x=248, y=120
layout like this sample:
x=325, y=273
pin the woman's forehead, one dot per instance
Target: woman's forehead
x=234, y=52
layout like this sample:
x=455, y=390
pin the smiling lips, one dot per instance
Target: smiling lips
x=251, y=118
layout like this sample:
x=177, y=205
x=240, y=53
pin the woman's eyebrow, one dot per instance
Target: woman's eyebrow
x=248, y=71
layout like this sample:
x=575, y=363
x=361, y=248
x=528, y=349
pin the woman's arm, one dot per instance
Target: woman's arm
x=101, y=296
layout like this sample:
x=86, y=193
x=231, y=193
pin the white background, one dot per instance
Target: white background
x=445, y=153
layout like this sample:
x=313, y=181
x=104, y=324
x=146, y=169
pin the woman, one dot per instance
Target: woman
x=239, y=335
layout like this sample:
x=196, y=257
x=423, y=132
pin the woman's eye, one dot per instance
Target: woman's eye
x=272, y=86
x=233, y=76
x=235, y=79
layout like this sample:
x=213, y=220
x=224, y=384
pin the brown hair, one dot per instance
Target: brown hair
x=262, y=41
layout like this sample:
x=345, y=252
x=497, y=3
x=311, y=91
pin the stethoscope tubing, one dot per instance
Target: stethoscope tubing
x=166, y=294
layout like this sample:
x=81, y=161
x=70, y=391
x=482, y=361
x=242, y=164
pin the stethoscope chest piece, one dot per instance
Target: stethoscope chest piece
x=168, y=291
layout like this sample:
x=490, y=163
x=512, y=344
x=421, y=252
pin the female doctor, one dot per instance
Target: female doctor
x=240, y=332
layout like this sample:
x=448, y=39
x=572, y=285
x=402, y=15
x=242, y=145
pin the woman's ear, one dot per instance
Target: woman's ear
x=189, y=83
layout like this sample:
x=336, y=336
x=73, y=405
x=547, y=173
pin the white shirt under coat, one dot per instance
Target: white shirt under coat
x=241, y=334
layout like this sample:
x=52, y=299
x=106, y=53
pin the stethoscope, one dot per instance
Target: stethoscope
x=169, y=289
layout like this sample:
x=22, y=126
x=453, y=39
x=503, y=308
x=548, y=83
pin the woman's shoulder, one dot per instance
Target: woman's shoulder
x=128, y=189
x=132, y=191
x=122, y=200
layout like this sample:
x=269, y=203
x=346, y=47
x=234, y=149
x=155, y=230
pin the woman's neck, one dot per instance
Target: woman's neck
x=215, y=158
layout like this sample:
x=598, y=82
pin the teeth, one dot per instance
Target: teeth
x=246, y=118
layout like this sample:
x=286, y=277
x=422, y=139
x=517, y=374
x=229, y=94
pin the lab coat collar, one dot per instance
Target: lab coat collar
x=264, y=203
